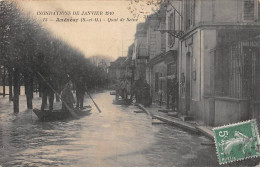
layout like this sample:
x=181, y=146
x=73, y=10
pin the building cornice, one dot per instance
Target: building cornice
x=218, y=25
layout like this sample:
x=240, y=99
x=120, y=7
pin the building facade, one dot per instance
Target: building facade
x=140, y=51
x=216, y=67
x=117, y=69
x=212, y=48
x=163, y=35
x=156, y=68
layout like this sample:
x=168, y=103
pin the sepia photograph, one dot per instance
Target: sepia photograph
x=129, y=83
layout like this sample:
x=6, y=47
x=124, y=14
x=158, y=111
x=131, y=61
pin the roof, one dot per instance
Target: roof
x=118, y=62
x=130, y=50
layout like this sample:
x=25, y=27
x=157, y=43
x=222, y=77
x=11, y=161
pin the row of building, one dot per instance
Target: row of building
x=211, y=47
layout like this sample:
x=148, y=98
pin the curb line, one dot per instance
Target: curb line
x=206, y=132
x=145, y=110
x=178, y=123
x=197, y=129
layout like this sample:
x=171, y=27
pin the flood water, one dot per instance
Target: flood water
x=22, y=90
x=115, y=137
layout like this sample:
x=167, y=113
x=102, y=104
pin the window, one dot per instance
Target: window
x=249, y=9
x=235, y=70
x=163, y=36
x=172, y=69
x=171, y=27
x=190, y=13
x=258, y=9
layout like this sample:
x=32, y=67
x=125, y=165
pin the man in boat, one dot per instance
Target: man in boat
x=67, y=97
x=80, y=92
x=47, y=84
x=47, y=93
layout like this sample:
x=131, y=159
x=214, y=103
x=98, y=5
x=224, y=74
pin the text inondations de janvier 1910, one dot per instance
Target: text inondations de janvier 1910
x=83, y=17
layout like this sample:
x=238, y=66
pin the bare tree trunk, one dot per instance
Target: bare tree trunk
x=10, y=82
x=40, y=88
x=3, y=78
x=58, y=90
x=16, y=79
x=28, y=89
x=36, y=86
x=19, y=88
x=31, y=85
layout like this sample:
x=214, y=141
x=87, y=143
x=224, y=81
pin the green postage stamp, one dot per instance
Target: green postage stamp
x=237, y=141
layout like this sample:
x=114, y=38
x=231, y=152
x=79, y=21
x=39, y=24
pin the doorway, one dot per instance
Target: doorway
x=188, y=82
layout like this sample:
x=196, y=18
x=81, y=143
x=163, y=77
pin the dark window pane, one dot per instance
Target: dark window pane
x=249, y=9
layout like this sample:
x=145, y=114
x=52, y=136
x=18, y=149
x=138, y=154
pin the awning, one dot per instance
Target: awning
x=166, y=57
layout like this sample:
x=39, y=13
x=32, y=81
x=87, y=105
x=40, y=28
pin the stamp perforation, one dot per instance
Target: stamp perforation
x=232, y=125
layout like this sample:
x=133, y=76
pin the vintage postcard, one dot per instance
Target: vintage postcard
x=129, y=83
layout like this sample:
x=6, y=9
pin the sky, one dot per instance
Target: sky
x=104, y=38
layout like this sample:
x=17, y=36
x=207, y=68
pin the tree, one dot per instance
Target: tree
x=25, y=44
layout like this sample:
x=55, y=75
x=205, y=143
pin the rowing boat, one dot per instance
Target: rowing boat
x=112, y=93
x=53, y=115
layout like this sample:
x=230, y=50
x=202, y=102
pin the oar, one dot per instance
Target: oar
x=93, y=101
x=66, y=105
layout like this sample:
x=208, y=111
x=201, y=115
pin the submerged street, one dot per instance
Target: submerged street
x=193, y=81
x=115, y=137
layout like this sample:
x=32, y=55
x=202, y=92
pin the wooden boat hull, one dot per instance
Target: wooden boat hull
x=112, y=93
x=54, y=115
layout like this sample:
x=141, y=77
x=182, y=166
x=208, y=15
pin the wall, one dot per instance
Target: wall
x=182, y=72
x=154, y=38
x=230, y=111
x=140, y=52
x=221, y=12
x=208, y=42
x=195, y=68
x=227, y=11
x=198, y=43
x=142, y=46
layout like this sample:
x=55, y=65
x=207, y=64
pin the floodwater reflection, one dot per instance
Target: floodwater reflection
x=115, y=137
